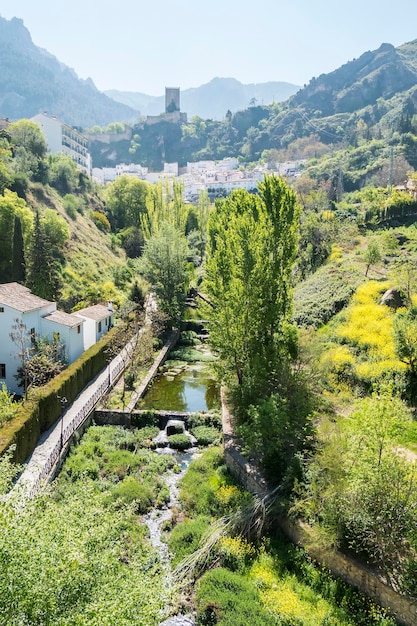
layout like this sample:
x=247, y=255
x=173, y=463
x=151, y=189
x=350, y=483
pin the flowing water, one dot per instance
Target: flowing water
x=182, y=387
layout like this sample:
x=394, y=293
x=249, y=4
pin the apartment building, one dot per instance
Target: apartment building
x=63, y=139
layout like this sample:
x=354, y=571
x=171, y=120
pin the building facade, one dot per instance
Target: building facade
x=63, y=139
x=28, y=317
x=98, y=319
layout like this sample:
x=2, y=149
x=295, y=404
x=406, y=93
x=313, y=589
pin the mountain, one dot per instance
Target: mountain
x=32, y=80
x=379, y=89
x=378, y=74
x=367, y=107
x=212, y=100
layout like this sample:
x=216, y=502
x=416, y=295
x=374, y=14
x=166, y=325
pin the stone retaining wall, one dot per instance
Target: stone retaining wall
x=354, y=573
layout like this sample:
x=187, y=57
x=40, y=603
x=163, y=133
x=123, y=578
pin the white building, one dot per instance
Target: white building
x=228, y=163
x=199, y=167
x=63, y=139
x=98, y=319
x=37, y=317
x=171, y=168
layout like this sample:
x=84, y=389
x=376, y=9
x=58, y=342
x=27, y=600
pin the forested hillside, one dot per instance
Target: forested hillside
x=370, y=100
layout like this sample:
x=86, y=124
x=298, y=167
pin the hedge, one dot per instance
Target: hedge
x=43, y=408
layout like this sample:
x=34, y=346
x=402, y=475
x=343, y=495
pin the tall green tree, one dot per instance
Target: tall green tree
x=252, y=243
x=126, y=200
x=165, y=205
x=6, y=238
x=12, y=207
x=63, y=173
x=164, y=265
x=29, y=147
x=18, y=271
x=43, y=276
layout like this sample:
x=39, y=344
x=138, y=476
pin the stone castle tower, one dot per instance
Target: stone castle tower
x=172, y=99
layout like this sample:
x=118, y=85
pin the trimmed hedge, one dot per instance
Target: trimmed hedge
x=43, y=408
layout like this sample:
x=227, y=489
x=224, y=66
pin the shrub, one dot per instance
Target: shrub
x=228, y=599
x=185, y=537
x=235, y=553
x=213, y=419
x=179, y=442
x=120, y=463
x=143, y=437
x=72, y=204
x=204, y=487
x=188, y=338
x=101, y=221
x=322, y=295
x=206, y=435
x=8, y=408
x=131, y=490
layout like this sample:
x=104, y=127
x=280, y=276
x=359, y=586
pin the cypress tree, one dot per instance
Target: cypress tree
x=43, y=276
x=6, y=239
x=18, y=257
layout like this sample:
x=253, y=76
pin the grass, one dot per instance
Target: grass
x=271, y=582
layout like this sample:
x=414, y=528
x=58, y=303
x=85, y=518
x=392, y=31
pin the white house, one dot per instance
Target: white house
x=63, y=139
x=98, y=319
x=36, y=317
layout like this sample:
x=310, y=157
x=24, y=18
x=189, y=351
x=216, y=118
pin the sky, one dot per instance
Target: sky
x=133, y=45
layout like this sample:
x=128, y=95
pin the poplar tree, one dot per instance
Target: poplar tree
x=252, y=243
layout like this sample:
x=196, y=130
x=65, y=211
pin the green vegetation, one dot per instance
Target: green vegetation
x=78, y=554
x=266, y=581
x=323, y=387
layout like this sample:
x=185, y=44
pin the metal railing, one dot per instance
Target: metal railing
x=79, y=418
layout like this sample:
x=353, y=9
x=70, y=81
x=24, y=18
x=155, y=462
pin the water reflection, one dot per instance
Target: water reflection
x=183, y=388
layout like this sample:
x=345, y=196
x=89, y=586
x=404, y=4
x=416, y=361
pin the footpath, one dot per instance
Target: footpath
x=53, y=444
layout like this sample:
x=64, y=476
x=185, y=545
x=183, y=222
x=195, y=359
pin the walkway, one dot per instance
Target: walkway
x=54, y=442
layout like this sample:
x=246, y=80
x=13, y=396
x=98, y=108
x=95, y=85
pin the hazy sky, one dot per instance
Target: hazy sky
x=137, y=45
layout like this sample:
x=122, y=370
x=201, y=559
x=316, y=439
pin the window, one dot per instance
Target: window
x=2, y=370
x=99, y=327
x=32, y=335
x=1, y=309
x=78, y=329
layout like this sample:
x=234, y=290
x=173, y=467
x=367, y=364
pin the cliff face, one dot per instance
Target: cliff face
x=32, y=80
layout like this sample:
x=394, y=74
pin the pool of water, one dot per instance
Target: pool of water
x=183, y=388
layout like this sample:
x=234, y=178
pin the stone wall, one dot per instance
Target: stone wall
x=354, y=573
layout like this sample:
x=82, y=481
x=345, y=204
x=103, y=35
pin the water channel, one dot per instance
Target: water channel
x=181, y=386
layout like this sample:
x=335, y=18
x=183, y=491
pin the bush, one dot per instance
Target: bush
x=188, y=338
x=213, y=419
x=101, y=221
x=206, y=435
x=208, y=488
x=228, y=599
x=323, y=294
x=131, y=490
x=185, y=537
x=179, y=442
x=144, y=436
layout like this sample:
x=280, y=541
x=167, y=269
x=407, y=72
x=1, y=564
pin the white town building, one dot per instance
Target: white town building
x=98, y=319
x=63, y=139
x=37, y=318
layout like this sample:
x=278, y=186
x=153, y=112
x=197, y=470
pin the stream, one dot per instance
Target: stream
x=182, y=387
